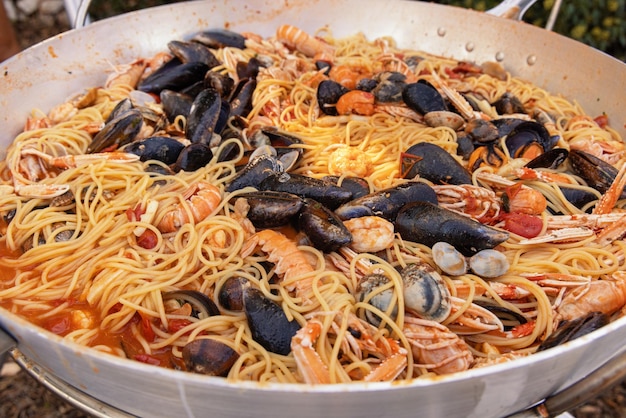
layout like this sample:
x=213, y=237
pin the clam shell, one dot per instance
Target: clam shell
x=425, y=292
x=489, y=263
x=449, y=259
x=369, y=284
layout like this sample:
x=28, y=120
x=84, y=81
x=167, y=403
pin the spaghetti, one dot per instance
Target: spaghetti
x=97, y=268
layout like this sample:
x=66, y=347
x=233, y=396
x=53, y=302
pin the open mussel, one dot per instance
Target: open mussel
x=117, y=132
x=433, y=163
x=201, y=305
x=508, y=104
x=389, y=86
x=253, y=174
x=550, y=159
x=569, y=330
x=175, y=104
x=427, y=224
x=209, y=357
x=596, y=172
x=268, y=323
x=387, y=202
x=220, y=82
x=529, y=140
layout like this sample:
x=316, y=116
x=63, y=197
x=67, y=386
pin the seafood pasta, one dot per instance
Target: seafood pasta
x=309, y=209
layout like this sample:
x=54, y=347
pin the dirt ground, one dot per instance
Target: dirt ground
x=21, y=396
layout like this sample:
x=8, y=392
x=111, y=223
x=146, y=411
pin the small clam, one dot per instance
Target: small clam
x=425, y=292
x=489, y=263
x=444, y=118
x=369, y=284
x=449, y=259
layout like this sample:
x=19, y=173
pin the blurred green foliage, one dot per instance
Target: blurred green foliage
x=598, y=23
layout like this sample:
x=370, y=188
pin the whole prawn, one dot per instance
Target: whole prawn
x=606, y=296
x=436, y=347
x=305, y=43
x=201, y=199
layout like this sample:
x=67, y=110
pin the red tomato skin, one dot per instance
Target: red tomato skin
x=527, y=226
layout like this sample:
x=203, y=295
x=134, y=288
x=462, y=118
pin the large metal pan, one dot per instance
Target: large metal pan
x=47, y=73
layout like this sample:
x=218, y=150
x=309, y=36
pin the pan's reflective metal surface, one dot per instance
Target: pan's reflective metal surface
x=47, y=73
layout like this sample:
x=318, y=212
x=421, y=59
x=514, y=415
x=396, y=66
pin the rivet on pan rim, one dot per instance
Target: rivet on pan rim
x=441, y=31
x=531, y=60
x=500, y=56
x=469, y=47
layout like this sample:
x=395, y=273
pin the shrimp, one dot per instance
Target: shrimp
x=128, y=74
x=305, y=43
x=612, y=195
x=314, y=370
x=606, y=296
x=201, y=199
x=356, y=101
x=349, y=160
x=347, y=75
x=370, y=233
x=478, y=202
x=290, y=261
x=436, y=347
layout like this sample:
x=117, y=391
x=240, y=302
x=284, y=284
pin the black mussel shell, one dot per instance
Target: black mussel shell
x=528, y=134
x=579, y=197
x=423, y=97
x=220, y=82
x=366, y=84
x=176, y=78
x=597, y=173
x=175, y=104
x=389, y=87
x=203, y=116
x=193, y=52
x=570, y=330
x=319, y=190
x=387, y=202
x=490, y=155
x=230, y=295
x=433, y=163
x=482, y=131
x=508, y=104
x=248, y=69
x=160, y=148
x=201, y=305
x=120, y=108
x=550, y=159
x=241, y=98
x=193, y=157
x=509, y=318
x=118, y=132
x=194, y=89
x=328, y=93
x=465, y=146
x=254, y=173
x=269, y=209
x=268, y=323
x=357, y=186
x=506, y=125
x=427, y=224
x=210, y=357
x=323, y=228
x=220, y=38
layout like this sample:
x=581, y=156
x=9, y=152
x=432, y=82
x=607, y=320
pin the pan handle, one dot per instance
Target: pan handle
x=511, y=9
x=7, y=343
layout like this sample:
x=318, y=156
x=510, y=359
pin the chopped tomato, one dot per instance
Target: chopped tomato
x=134, y=214
x=176, y=325
x=147, y=240
x=146, y=328
x=602, y=120
x=527, y=226
x=523, y=330
x=148, y=359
